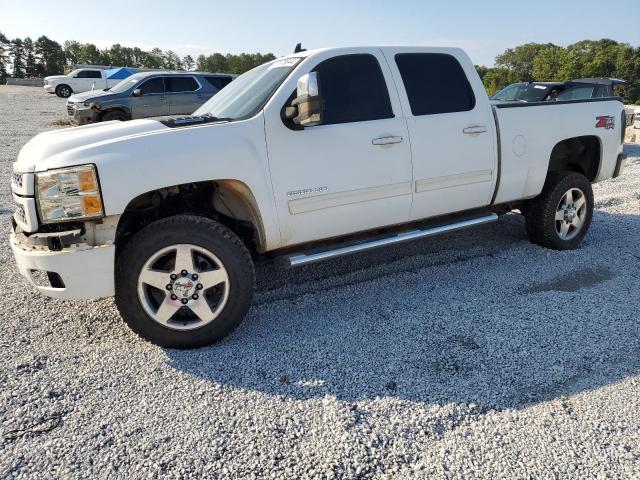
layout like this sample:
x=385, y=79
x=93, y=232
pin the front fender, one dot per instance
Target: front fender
x=141, y=163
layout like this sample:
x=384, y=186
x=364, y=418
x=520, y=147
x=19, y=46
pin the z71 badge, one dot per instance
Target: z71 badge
x=605, y=121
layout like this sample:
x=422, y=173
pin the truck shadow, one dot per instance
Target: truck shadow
x=479, y=317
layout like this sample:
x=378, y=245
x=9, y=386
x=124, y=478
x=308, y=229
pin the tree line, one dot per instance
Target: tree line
x=553, y=63
x=524, y=63
x=27, y=58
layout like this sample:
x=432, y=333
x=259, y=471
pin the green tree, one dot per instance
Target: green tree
x=31, y=67
x=188, y=63
x=482, y=70
x=553, y=64
x=171, y=61
x=497, y=78
x=519, y=60
x=154, y=59
x=4, y=45
x=16, y=50
x=50, y=55
x=71, y=52
x=90, y=54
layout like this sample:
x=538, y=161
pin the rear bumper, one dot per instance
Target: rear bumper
x=620, y=164
x=85, y=272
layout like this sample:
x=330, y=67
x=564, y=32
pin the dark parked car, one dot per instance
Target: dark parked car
x=577, y=89
x=147, y=94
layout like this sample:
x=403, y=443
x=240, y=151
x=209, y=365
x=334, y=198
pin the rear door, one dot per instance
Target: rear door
x=152, y=102
x=452, y=132
x=184, y=94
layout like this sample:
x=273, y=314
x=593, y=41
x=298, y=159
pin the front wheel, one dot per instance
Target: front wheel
x=560, y=216
x=184, y=282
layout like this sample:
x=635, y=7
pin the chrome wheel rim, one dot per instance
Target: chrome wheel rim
x=571, y=214
x=183, y=287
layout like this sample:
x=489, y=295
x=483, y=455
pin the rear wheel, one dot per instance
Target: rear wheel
x=63, y=91
x=184, y=282
x=560, y=216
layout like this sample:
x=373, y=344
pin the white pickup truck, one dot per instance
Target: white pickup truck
x=311, y=156
x=81, y=80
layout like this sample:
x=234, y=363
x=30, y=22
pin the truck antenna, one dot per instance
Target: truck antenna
x=299, y=48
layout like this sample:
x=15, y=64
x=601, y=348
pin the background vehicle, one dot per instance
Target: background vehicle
x=578, y=89
x=147, y=94
x=85, y=79
x=312, y=156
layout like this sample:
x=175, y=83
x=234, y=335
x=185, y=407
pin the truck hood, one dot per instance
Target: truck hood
x=89, y=95
x=68, y=146
x=56, y=77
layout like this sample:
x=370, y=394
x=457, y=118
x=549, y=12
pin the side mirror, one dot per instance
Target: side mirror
x=137, y=92
x=306, y=108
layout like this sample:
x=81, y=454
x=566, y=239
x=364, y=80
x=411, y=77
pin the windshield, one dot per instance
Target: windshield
x=247, y=94
x=127, y=83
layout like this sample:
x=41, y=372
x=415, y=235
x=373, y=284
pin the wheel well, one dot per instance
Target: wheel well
x=115, y=109
x=577, y=154
x=229, y=202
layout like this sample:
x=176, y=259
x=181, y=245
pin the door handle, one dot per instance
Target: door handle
x=474, y=129
x=386, y=140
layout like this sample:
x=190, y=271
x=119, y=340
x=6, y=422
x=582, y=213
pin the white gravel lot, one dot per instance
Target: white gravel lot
x=474, y=354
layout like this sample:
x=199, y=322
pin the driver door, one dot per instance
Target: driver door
x=352, y=172
x=152, y=102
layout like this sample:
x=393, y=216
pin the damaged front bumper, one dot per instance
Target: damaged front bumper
x=64, y=265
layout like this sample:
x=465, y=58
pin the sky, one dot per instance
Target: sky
x=483, y=28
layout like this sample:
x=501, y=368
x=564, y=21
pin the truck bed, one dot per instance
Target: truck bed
x=529, y=132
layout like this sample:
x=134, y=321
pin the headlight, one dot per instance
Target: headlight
x=68, y=194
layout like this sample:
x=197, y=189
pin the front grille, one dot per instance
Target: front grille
x=70, y=109
x=17, y=179
x=20, y=214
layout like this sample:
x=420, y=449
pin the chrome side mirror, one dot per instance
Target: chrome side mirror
x=137, y=92
x=306, y=108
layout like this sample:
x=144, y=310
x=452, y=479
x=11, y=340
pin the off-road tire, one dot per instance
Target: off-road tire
x=64, y=91
x=181, y=229
x=540, y=213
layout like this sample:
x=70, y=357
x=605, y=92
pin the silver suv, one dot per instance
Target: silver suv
x=147, y=94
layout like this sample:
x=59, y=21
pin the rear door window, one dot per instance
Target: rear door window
x=153, y=85
x=181, y=84
x=353, y=89
x=218, y=81
x=435, y=83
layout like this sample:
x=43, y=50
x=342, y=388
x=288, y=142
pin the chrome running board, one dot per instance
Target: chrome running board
x=304, y=259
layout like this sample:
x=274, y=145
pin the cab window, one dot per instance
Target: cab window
x=353, y=89
x=88, y=74
x=435, y=83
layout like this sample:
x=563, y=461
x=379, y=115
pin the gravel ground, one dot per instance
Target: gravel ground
x=474, y=354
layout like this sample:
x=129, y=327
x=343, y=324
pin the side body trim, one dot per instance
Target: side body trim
x=448, y=181
x=330, y=200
